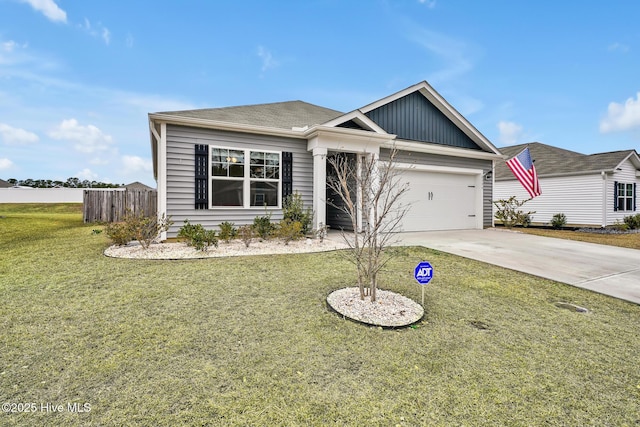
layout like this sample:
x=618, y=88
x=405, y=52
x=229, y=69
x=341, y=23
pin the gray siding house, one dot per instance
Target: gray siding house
x=235, y=163
x=591, y=190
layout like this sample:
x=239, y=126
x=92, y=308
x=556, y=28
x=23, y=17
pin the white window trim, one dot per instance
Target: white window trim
x=625, y=197
x=246, y=179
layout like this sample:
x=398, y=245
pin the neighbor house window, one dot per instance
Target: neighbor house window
x=244, y=178
x=625, y=196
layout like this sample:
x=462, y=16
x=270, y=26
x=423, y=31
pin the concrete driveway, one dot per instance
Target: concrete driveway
x=606, y=269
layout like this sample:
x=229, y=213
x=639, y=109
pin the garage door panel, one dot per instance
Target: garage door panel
x=439, y=201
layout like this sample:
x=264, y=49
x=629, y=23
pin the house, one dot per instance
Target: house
x=138, y=186
x=235, y=163
x=5, y=184
x=591, y=190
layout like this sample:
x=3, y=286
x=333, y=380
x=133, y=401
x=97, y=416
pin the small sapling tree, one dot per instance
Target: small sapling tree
x=371, y=189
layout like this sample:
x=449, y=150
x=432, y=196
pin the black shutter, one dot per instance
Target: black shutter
x=615, y=196
x=202, y=177
x=287, y=174
x=634, y=196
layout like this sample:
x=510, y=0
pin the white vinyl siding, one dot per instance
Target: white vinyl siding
x=578, y=197
x=585, y=199
x=626, y=175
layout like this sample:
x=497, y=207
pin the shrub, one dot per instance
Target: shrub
x=144, y=229
x=508, y=212
x=558, y=221
x=228, y=231
x=119, y=233
x=633, y=221
x=197, y=236
x=289, y=230
x=619, y=226
x=293, y=209
x=246, y=234
x=262, y=226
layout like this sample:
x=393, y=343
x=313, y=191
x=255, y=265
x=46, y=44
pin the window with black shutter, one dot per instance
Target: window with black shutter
x=242, y=178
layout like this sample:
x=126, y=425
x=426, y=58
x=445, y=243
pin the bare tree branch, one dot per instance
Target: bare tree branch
x=380, y=187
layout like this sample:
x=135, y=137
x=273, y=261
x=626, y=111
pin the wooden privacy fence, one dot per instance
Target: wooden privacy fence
x=112, y=205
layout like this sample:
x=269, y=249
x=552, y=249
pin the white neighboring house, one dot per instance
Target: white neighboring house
x=591, y=190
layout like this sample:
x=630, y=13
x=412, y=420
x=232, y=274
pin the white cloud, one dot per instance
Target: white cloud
x=129, y=41
x=49, y=8
x=429, y=3
x=106, y=35
x=618, y=47
x=267, y=59
x=134, y=164
x=8, y=46
x=5, y=164
x=10, y=52
x=87, y=174
x=98, y=31
x=87, y=139
x=510, y=132
x=147, y=103
x=622, y=117
x=456, y=56
x=11, y=135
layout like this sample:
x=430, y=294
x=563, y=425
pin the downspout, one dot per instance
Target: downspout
x=493, y=188
x=604, y=199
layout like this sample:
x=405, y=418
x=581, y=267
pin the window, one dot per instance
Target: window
x=265, y=178
x=244, y=178
x=624, y=200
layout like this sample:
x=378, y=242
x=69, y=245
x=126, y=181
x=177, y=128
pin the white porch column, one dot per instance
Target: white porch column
x=319, y=186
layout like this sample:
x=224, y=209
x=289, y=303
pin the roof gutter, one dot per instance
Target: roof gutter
x=232, y=127
x=444, y=150
x=558, y=175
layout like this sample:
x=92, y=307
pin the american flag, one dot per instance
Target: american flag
x=522, y=167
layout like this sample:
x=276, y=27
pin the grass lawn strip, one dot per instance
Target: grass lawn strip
x=631, y=240
x=250, y=341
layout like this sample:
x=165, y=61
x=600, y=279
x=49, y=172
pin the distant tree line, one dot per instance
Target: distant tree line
x=69, y=183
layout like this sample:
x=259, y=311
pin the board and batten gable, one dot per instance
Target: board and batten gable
x=181, y=142
x=414, y=118
x=427, y=159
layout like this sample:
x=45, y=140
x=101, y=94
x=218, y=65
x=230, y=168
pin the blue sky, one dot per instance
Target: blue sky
x=78, y=78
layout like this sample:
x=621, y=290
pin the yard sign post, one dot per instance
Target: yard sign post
x=423, y=274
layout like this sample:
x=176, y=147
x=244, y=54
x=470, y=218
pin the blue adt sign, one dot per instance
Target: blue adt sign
x=423, y=273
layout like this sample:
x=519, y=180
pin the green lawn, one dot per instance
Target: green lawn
x=250, y=341
x=631, y=240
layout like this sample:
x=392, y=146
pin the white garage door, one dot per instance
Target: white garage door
x=440, y=201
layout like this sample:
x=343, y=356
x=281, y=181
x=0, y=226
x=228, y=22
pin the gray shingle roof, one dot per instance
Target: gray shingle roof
x=283, y=115
x=136, y=185
x=556, y=161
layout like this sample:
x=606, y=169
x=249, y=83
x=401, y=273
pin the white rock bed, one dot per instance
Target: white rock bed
x=171, y=251
x=389, y=310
